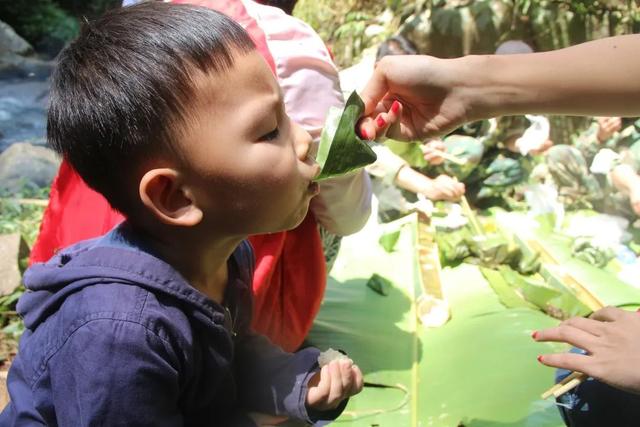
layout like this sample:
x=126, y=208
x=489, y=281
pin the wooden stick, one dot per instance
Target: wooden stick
x=450, y=157
x=570, y=385
x=564, y=382
x=471, y=216
x=36, y=202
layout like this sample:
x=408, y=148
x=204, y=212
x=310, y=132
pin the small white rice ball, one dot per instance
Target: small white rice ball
x=329, y=356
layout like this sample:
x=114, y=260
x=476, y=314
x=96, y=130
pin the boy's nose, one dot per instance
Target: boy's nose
x=303, y=144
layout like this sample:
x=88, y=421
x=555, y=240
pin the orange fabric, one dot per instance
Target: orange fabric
x=290, y=275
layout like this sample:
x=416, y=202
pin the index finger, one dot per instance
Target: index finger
x=375, y=89
x=608, y=314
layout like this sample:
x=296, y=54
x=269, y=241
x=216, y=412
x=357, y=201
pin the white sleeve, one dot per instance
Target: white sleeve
x=310, y=83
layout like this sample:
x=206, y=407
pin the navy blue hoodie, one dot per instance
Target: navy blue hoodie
x=116, y=336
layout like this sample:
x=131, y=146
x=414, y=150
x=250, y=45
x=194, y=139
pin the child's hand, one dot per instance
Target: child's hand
x=432, y=151
x=443, y=187
x=335, y=382
x=607, y=126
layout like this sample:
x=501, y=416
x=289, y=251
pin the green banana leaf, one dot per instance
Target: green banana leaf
x=507, y=293
x=340, y=150
x=389, y=239
x=438, y=377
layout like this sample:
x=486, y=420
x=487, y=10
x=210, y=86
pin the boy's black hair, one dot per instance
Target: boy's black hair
x=123, y=88
x=396, y=45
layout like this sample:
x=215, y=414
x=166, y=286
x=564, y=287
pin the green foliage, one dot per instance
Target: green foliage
x=11, y=325
x=89, y=9
x=342, y=24
x=17, y=216
x=39, y=21
x=24, y=218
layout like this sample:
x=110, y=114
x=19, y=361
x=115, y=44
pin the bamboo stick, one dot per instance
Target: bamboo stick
x=573, y=376
x=36, y=202
x=450, y=157
x=471, y=216
x=570, y=385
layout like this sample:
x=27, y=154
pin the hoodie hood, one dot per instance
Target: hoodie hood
x=120, y=256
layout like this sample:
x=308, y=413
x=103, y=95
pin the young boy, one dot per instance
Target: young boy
x=171, y=114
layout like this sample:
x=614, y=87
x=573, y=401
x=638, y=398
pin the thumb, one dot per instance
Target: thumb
x=375, y=90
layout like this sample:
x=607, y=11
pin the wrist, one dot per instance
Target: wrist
x=491, y=89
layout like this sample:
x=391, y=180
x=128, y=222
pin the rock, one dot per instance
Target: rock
x=12, y=249
x=10, y=42
x=4, y=393
x=23, y=164
x=14, y=66
x=23, y=114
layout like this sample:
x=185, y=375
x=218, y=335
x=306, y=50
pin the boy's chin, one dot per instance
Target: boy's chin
x=297, y=218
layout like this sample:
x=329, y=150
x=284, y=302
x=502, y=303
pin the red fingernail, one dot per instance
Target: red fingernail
x=363, y=133
x=381, y=122
x=395, y=106
x=540, y=359
x=534, y=335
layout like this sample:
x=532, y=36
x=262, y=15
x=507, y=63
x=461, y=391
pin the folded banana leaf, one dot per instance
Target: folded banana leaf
x=340, y=150
x=509, y=285
x=453, y=246
x=559, y=263
x=489, y=250
x=583, y=248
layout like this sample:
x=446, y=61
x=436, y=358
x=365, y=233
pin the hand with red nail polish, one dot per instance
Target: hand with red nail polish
x=439, y=95
x=386, y=123
x=611, y=338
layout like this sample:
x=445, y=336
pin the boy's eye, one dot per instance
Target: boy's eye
x=270, y=136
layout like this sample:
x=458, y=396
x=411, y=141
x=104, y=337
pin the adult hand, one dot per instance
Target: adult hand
x=432, y=151
x=433, y=99
x=443, y=187
x=335, y=382
x=607, y=126
x=611, y=338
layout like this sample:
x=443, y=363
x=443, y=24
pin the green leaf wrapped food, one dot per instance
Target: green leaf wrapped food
x=340, y=150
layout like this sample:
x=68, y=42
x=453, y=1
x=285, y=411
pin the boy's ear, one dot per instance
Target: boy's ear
x=162, y=192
